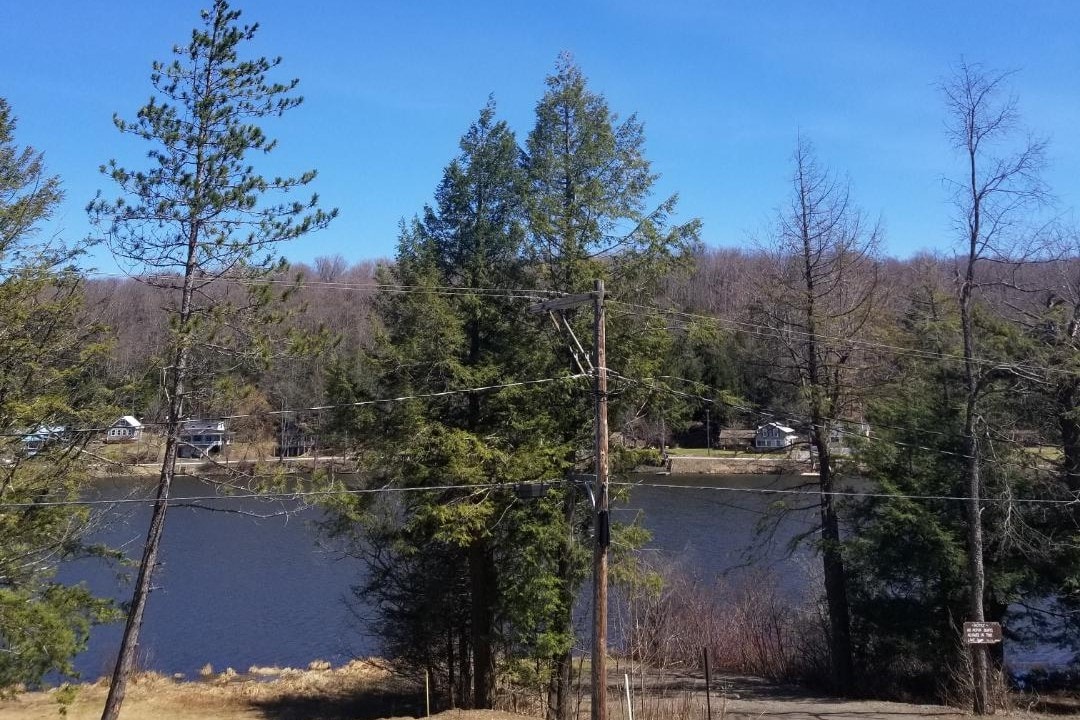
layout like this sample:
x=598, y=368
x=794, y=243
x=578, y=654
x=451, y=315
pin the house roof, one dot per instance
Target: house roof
x=737, y=434
x=129, y=420
x=45, y=432
x=195, y=426
x=778, y=426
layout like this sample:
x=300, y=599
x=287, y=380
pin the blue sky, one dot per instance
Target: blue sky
x=722, y=87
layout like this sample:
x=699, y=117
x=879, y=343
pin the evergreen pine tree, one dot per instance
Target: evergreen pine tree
x=202, y=214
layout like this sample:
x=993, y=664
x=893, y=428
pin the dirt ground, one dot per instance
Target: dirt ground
x=365, y=690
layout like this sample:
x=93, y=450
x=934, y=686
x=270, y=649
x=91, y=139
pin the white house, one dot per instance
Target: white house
x=41, y=437
x=126, y=429
x=202, y=438
x=774, y=435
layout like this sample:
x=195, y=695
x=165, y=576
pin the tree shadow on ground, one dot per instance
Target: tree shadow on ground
x=734, y=686
x=362, y=705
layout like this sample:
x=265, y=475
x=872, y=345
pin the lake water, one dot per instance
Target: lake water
x=231, y=590
x=235, y=590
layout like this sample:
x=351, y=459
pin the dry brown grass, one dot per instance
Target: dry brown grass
x=149, y=449
x=321, y=692
x=366, y=690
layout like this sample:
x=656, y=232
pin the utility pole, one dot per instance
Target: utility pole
x=708, y=434
x=601, y=526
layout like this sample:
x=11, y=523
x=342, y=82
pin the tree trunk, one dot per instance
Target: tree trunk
x=840, y=651
x=125, y=660
x=981, y=704
x=559, y=687
x=465, y=669
x=451, y=689
x=482, y=577
x=1069, y=424
x=976, y=578
x=562, y=663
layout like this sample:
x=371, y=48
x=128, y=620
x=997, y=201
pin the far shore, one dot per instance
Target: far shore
x=222, y=466
x=675, y=464
x=728, y=464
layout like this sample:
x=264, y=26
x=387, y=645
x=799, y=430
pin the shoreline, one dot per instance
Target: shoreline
x=215, y=467
x=369, y=689
x=675, y=465
x=727, y=465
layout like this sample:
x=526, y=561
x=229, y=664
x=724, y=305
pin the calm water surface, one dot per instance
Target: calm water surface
x=235, y=590
x=232, y=590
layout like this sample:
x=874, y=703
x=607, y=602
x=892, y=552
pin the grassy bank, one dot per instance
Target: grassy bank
x=365, y=690
x=143, y=459
x=361, y=689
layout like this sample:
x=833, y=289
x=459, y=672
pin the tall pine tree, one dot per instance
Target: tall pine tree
x=438, y=339
x=199, y=215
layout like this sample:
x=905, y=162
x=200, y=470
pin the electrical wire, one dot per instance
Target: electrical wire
x=540, y=294
x=858, y=494
x=759, y=331
x=318, y=408
x=449, y=290
x=838, y=430
x=295, y=495
x=299, y=494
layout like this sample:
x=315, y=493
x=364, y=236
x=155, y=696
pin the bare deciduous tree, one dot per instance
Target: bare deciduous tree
x=999, y=183
x=817, y=299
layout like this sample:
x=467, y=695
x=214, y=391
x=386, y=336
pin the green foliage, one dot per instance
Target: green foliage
x=44, y=628
x=590, y=186
x=65, y=696
x=552, y=219
x=908, y=555
x=624, y=459
x=47, y=379
x=450, y=539
x=201, y=222
x=199, y=123
x=589, y=215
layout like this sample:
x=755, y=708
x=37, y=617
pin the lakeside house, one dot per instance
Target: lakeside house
x=202, y=438
x=736, y=439
x=773, y=436
x=41, y=437
x=125, y=429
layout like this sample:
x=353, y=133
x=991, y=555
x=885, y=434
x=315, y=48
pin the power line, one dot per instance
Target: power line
x=838, y=430
x=765, y=413
x=449, y=290
x=540, y=294
x=857, y=494
x=320, y=408
x=295, y=495
x=758, y=330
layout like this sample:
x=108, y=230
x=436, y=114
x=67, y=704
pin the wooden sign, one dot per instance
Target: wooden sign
x=982, y=633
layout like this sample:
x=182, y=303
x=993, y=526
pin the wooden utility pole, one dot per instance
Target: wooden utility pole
x=601, y=526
